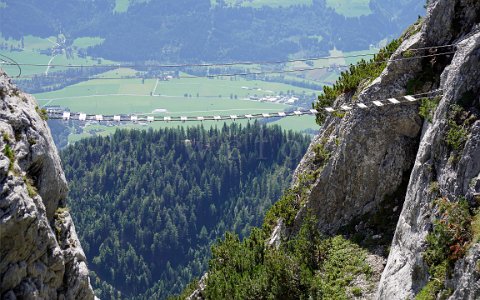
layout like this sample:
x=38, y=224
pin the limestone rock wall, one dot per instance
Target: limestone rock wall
x=406, y=272
x=383, y=159
x=40, y=254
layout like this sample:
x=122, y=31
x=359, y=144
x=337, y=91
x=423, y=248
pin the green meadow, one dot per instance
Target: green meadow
x=29, y=57
x=350, y=8
x=186, y=96
x=109, y=93
x=275, y=3
x=32, y=53
x=325, y=75
x=112, y=93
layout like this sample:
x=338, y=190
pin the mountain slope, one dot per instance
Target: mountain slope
x=193, y=30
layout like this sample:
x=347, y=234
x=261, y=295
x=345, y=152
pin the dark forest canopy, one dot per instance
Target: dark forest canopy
x=193, y=30
x=148, y=204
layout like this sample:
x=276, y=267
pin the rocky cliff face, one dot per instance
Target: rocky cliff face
x=455, y=174
x=405, y=187
x=40, y=254
x=380, y=160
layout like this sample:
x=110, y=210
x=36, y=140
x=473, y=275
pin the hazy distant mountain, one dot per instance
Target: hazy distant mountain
x=194, y=30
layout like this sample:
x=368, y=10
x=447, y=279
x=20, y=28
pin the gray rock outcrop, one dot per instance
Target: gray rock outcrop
x=382, y=159
x=40, y=254
x=405, y=273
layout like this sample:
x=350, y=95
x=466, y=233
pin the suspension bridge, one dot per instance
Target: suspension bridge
x=56, y=114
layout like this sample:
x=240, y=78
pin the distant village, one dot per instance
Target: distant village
x=287, y=99
x=284, y=99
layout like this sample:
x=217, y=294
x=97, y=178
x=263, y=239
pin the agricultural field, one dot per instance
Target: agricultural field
x=270, y=3
x=36, y=58
x=122, y=6
x=85, y=42
x=109, y=93
x=35, y=50
x=327, y=72
x=301, y=123
x=350, y=8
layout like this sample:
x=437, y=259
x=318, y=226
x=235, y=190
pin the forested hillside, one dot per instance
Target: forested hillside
x=196, y=30
x=148, y=204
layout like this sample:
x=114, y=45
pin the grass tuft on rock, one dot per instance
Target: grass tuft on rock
x=5, y=137
x=449, y=241
x=31, y=189
x=476, y=226
x=42, y=112
x=428, y=107
x=10, y=154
